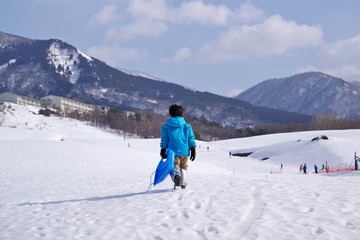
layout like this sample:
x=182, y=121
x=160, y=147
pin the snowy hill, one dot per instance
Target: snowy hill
x=62, y=179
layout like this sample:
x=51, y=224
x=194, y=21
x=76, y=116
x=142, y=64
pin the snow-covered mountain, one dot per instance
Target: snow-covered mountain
x=62, y=179
x=36, y=68
x=308, y=93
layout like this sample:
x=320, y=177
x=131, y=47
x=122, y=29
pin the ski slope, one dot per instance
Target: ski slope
x=62, y=179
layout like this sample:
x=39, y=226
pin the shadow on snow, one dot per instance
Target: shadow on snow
x=128, y=195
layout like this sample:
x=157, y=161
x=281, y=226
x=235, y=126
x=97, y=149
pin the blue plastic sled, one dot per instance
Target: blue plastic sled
x=164, y=168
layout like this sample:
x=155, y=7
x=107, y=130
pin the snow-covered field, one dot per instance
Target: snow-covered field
x=94, y=185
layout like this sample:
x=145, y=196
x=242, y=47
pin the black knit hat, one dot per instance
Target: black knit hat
x=176, y=110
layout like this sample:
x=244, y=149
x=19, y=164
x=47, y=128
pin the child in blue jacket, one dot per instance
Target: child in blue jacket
x=177, y=135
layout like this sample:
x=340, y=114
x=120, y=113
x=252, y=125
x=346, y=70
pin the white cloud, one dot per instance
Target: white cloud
x=248, y=13
x=141, y=27
x=345, y=52
x=181, y=55
x=234, y=92
x=340, y=59
x=108, y=14
x=275, y=36
x=153, y=17
x=201, y=13
x=349, y=72
x=114, y=55
x=149, y=9
x=193, y=11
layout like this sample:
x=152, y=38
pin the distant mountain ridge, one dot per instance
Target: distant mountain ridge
x=9, y=39
x=36, y=68
x=308, y=93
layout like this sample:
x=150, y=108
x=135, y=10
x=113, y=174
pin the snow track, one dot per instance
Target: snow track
x=242, y=230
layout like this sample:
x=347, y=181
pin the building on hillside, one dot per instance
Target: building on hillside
x=102, y=109
x=65, y=105
x=18, y=99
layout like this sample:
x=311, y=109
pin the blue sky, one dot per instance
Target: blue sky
x=218, y=46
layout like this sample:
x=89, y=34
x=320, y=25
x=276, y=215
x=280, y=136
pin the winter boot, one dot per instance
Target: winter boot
x=177, y=178
x=183, y=178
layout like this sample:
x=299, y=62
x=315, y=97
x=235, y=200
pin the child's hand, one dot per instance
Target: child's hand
x=162, y=153
x=192, y=154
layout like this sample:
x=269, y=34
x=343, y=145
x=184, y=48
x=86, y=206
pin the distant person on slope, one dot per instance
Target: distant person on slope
x=177, y=135
x=356, y=164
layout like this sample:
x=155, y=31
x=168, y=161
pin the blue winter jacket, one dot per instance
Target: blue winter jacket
x=177, y=135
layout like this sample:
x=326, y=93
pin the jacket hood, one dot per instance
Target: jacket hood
x=176, y=122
